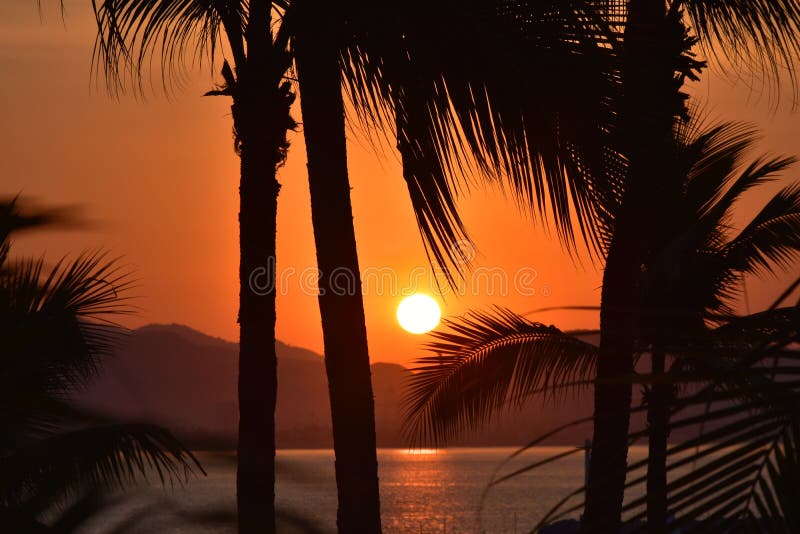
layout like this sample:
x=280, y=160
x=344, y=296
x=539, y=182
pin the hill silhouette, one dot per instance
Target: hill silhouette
x=185, y=380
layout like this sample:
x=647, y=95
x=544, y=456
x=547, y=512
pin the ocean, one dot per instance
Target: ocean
x=442, y=491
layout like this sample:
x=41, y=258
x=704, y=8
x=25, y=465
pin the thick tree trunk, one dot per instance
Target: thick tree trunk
x=652, y=101
x=612, y=401
x=659, y=401
x=340, y=299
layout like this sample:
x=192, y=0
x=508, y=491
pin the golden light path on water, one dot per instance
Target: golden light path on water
x=422, y=491
x=417, y=452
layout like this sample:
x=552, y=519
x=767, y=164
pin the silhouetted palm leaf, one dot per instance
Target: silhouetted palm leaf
x=747, y=432
x=739, y=470
x=57, y=325
x=14, y=220
x=772, y=237
x=698, y=275
x=475, y=92
x=56, y=328
x=131, y=33
x=483, y=361
x=459, y=102
x=762, y=33
x=475, y=101
x=52, y=469
x=696, y=278
x=477, y=362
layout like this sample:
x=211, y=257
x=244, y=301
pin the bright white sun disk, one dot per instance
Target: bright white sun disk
x=418, y=313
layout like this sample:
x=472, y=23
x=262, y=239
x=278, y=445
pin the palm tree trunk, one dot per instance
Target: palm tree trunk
x=657, y=422
x=340, y=298
x=261, y=117
x=255, y=476
x=612, y=402
x=652, y=101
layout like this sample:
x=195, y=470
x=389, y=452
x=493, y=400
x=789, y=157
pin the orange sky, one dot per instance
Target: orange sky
x=159, y=180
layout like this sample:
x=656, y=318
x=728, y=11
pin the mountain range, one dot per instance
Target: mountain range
x=185, y=380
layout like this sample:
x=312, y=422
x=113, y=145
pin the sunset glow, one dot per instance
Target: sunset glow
x=291, y=248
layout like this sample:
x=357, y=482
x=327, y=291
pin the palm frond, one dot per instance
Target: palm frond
x=430, y=189
x=698, y=273
x=483, y=361
x=56, y=328
x=772, y=238
x=732, y=477
x=710, y=157
x=741, y=473
x=476, y=98
x=14, y=218
x=131, y=33
x=778, y=325
x=769, y=242
x=758, y=173
x=733, y=472
x=764, y=34
x=51, y=470
x=27, y=415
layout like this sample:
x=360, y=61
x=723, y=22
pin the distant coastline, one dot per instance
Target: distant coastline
x=185, y=380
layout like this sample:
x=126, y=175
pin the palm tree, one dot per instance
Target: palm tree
x=699, y=271
x=632, y=178
x=129, y=32
x=382, y=57
x=56, y=330
x=740, y=397
x=655, y=64
x=383, y=63
x=526, y=138
x=626, y=172
x=326, y=52
x=371, y=53
x=316, y=50
x=483, y=361
x=740, y=400
x=750, y=420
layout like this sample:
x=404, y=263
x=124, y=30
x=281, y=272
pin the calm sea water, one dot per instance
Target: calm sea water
x=428, y=492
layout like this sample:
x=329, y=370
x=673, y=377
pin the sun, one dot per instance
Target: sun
x=418, y=313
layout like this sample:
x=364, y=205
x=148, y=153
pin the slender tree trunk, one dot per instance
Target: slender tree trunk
x=658, y=420
x=261, y=106
x=255, y=480
x=652, y=101
x=340, y=299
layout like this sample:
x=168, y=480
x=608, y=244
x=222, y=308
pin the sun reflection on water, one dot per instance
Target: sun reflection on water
x=422, y=452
